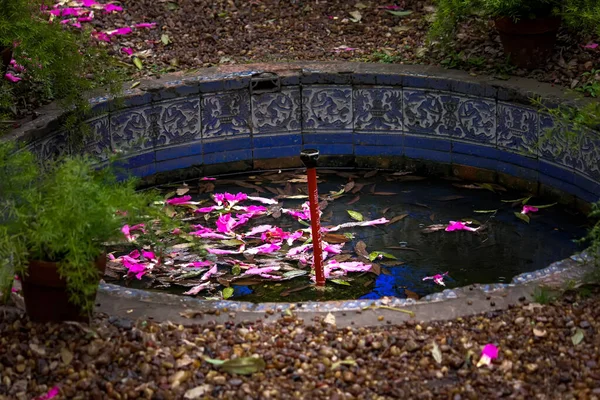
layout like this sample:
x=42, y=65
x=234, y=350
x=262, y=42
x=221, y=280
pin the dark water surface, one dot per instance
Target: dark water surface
x=505, y=247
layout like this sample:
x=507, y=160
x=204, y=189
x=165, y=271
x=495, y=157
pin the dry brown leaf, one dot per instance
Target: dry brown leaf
x=335, y=238
x=397, y=218
x=370, y=174
x=349, y=186
x=354, y=200
x=410, y=294
x=183, y=190
x=384, y=193
x=357, y=187
x=450, y=198
x=361, y=249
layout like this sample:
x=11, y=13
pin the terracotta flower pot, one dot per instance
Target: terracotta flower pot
x=5, y=57
x=529, y=42
x=46, y=296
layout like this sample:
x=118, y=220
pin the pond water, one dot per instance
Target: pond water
x=503, y=246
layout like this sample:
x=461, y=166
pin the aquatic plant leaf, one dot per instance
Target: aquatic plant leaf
x=545, y=206
x=522, y=200
x=240, y=366
x=337, y=364
x=485, y=211
x=340, y=282
x=436, y=353
x=236, y=270
x=522, y=217
x=228, y=292
x=577, y=337
x=380, y=254
x=400, y=13
x=356, y=215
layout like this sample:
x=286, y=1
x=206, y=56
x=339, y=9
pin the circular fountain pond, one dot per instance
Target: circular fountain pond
x=386, y=232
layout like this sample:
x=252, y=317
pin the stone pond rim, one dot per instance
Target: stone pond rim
x=260, y=116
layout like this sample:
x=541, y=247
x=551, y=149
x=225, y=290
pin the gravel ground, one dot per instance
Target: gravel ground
x=204, y=33
x=120, y=359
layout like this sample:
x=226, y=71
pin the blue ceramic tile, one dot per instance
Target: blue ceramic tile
x=97, y=143
x=517, y=171
x=475, y=150
x=364, y=78
x=589, y=163
x=427, y=143
x=327, y=109
x=518, y=129
x=178, y=121
x=228, y=144
x=518, y=159
x=389, y=80
x=426, y=154
x=178, y=163
x=225, y=114
x=378, y=109
x=332, y=149
x=558, y=184
x=136, y=161
x=133, y=130
x=474, y=161
x=276, y=140
x=277, y=152
x=276, y=112
x=327, y=138
x=317, y=77
x=378, y=139
x=139, y=171
x=183, y=150
x=441, y=114
x=473, y=89
x=587, y=184
x=556, y=171
x=557, y=144
x=228, y=156
x=51, y=148
x=362, y=150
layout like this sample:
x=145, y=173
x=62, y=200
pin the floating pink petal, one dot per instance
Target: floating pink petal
x=209, y=273
x=211, y=235
x=109, y=8
x=591, y=46
x=206, y=178
x=225, y=223
x=149, y=255
x=76, y=25
x=379, y=221
x=127, y=232
x=179, y=200
x=111, y=256
x=258, y=229
x=176, y=231
x=263, y=272
x=489, y=353
x=138, y=227
x=354, y=266
x=120, y=31
x=529, y=209
x=333, y=248
x=208, y=209
x=134, y=268
x=437, y=279
x=127, y=50
x=252, y=211
x=233, y=199
x=86, y=19
x=222, y=251
x=219, y=198
x=263, y=200
x=148, y=25
x=200, y=264
x=52, y=393
x=459, y=226
x=264, y=249
x=198, y=289
x=294, y=236
x=10, y=77
x=299, y=249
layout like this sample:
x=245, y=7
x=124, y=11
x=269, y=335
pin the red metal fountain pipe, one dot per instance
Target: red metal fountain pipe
x=309, y=158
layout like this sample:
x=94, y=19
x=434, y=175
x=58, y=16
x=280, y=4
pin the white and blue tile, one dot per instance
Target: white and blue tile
x=178, y=121
x=327, y=109
x=590, y=155
x=52, y=148
x=225, y=115
x=378, y=110
x=134, y=130
x=276, y=119
x=518, y=129
x=97, y=143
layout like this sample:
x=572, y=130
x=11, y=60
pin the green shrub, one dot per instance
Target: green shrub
x=65, y=213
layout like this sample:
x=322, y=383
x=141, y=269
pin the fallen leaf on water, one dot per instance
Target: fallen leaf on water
x=436, y=353
x=335, y=238
x=241, y=366
x=432, y=217
x=228, y=292
x=485, y=211
x=380, y=254
x=349, y=186
x=450, y=198
x=522, y=217
x=384, y=193
x=287, y=292
x=361, y=249
x=182, y=190
x=411, y=295
x=370, y=174
x=577, y=337
x=358, y=187
x=434, y=228
x=385, y=210
x=329, y=319
x=355, y=215
x=343, y=362
x=397, y=218
x=340, y=282
x=354, y=200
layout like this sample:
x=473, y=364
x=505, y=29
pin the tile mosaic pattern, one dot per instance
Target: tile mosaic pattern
x=51, y=148
x=556, y=144
x=134, y=130
x=518, y=129
x=327, y=109
x=590, y=155
x=225, y=114
x=378, y=109
x=178, y=121
x=97, y=143
x=274, y=113
x=446, y=115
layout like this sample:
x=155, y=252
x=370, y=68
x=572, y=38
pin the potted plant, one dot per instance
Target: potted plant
x=53, y=226
x=527, y=28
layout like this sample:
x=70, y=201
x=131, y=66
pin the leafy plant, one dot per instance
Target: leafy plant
x=544, y=295
x=64, y=214
x=591, y=85
x=55, y=62
x=385, y=57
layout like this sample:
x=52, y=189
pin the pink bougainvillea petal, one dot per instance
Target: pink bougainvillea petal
x=488, y=353
x=88, y=3
x=263, y=200
x=52, y=393
x=102, y=36
x=209, y=273
x=206, y=178
x=109, y=8
x=16, y=66
x=134, y=268
x=258, y=229
x=176, y=231
x=460, y=226
x=333, y=248
x=299, y=249
x=437, y=278
x=379, y=221
x=529, y=209
x=134, y=254
x=197, y=289
x=86, y=19
x=148, y=25
x=222, y=251
x=591, y=46
x=149, y=255
x=200, y=264
x=264, y=249
x=263, y=272
x=178, y=200
x=127, y=50
x=120, y=31
x=207, y=209
x=10, y=77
